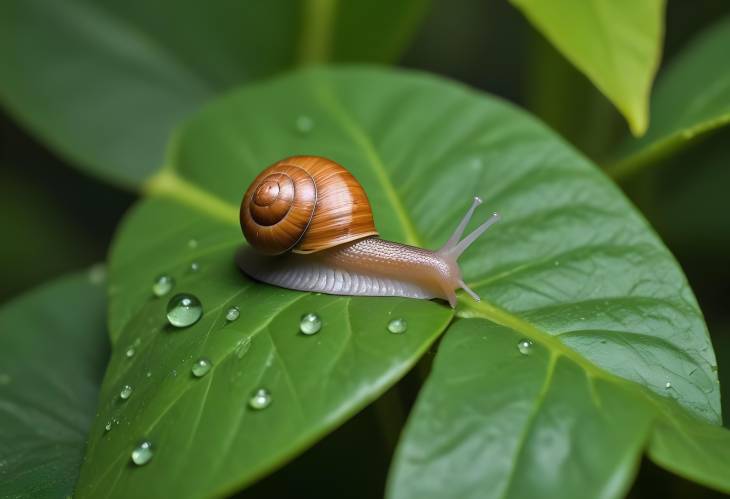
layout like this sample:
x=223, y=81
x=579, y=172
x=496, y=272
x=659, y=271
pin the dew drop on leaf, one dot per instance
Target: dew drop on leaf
x=232, y=314
x=126, y=392
x=142, y=453
x=525, y=346
x=201, y=367
x=261, y=399
x=310, y=324
x=130, y=352
x=304, y=124
x=194, y=267
x=97, y=274
x=184, y=310
x=398, y=326
x=193, y=243
x=162, y=285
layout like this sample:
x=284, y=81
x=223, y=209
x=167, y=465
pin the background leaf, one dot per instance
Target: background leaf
x=571, y=259
x=103, y=83
x=53, y=350
x=617, y=44
x=692, y=98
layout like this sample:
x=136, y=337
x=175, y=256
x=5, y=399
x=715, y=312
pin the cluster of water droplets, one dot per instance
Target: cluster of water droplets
x=185, y=309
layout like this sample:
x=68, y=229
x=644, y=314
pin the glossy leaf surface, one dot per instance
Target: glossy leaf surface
x=571, y=263
x=105, y=82
x=53, y=351
x=494, y=422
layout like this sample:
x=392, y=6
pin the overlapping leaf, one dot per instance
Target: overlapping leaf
x=572, y=266
x=692, y=98
x=53, y=350
x=616, y=44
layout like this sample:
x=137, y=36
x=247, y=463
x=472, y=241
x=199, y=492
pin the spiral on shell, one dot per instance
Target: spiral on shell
x=305, y=204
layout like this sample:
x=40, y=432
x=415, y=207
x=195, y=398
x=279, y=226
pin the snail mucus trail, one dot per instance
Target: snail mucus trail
x=310, y=227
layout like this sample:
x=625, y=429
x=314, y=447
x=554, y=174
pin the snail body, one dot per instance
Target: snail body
x=310, y=228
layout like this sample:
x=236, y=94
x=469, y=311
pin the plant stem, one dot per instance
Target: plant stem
x=316, y=38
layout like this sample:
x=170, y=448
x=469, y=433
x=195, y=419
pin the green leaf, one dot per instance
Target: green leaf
x=53, y=350
x=103, y=83
x=493, y=422
x=571, y=265
x=692, y=98
x=616, y=44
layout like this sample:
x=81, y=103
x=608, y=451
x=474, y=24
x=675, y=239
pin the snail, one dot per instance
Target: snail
x=310, y=227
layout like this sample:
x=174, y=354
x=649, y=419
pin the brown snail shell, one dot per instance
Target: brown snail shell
x=305, y=204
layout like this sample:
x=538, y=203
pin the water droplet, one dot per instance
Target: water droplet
x=525, y=346
x=232, y=314
x=130, y=352
x=713, y=367
x=261, y=399
x=192, y=244
x=148, y=374
x=184, y=310
x=142, y=453
x=194, y=267
x=108, y=426
x=5, y=379
x=173, y=373
x=304, y=124
x=97, y=273
x=126, y=392
x=242, y=346
x=310, y=324
x=667, y=385
x=162, y=285
x=201, y=367
x=397, y=326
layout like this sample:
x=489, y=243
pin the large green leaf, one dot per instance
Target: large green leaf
x=692, y=98
x=53, y=350
x=571, y=265
x=545, y=424
x=616, y=44
x=104, y=82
